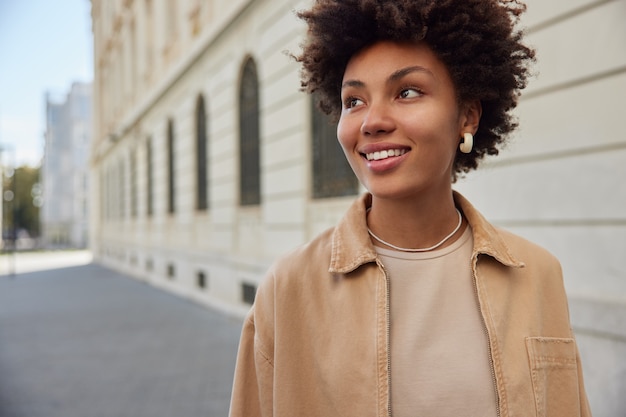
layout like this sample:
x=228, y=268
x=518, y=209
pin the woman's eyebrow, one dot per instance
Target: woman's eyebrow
x=395, y=76
x=352, y=83
x=401, y=73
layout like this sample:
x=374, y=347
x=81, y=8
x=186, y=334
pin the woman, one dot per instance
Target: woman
x=414, y=305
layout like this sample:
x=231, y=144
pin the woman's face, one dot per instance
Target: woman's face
x=401, y=124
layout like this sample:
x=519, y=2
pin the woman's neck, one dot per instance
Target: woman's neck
x=414, y=222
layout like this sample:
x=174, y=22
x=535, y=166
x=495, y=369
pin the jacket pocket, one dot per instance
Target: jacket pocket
x=554, y=374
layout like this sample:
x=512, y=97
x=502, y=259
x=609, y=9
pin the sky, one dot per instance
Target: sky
x=45, y=46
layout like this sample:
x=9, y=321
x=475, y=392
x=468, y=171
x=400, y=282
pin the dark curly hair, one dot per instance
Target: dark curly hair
x=477, y=40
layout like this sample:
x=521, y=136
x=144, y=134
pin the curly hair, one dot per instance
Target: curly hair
x=477, y=40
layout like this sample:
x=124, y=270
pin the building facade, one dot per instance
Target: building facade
x=208, y=162
x=65, y=169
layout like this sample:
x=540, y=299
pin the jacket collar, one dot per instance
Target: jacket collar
x=352, y=246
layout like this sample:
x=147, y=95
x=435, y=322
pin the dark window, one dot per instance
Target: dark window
x=170, y=167
x=332, y=175
x=201, y=280
x=248, y=292
x=202, y=197
x=149, y=179
x=249, y=155
x=171, y=271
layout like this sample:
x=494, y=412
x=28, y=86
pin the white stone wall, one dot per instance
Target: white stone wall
x=561, y=182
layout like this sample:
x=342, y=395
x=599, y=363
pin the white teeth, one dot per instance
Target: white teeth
x=375, y=156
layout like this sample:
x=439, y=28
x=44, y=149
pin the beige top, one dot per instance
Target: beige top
x=439, y=350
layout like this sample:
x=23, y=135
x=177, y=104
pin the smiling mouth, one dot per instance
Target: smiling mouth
x=390, y=153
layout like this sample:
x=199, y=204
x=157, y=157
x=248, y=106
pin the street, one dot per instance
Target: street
x=84, y=341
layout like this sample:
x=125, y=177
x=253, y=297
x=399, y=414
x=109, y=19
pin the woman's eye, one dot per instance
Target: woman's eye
x=410, y=93
x=352, y=102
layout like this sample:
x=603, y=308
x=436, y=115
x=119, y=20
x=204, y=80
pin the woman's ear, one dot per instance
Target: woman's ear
x=470, y=116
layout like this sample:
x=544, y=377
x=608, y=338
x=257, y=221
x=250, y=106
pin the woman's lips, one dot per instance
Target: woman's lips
x=388, y=153
x=384, y=160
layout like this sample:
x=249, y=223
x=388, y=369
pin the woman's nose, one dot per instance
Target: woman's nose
x=377, y=121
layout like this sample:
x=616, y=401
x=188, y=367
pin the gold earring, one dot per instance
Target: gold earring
x=468, y=143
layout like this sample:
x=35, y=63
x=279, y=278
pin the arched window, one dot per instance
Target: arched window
x=170, y=167
x=202, y=196
x=249, y=132
x=332, y=175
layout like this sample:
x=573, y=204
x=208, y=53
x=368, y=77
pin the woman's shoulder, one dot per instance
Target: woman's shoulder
x=307, y=259
x=314, y=253
x=299, y=274
x=528, y=251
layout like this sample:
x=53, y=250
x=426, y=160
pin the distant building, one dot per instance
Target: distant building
x=208, y=163
x=65, y=169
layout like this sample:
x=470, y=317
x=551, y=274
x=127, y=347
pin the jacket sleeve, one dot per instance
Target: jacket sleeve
x=253, y=386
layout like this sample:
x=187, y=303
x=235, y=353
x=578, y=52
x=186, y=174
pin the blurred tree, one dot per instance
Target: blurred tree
x=22, y=199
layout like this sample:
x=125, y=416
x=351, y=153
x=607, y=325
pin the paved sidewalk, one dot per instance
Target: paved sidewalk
x=19, y=262
x=83, y=341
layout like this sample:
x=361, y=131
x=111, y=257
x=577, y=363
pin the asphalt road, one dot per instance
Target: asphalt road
x=84, y=341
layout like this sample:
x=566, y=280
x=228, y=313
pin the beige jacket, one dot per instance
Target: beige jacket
x=316, y=342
